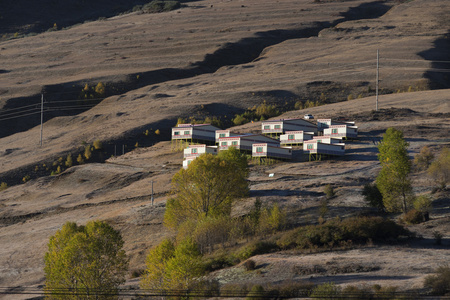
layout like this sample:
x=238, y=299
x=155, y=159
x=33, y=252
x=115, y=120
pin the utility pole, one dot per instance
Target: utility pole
x=42, y=114
x=378, y=67
x=152, y=193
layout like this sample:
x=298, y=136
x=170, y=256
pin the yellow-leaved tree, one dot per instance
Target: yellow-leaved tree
x=207, y=187
x=85, y=262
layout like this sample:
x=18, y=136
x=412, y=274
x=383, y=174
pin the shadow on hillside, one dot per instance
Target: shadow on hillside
x=286, y=193
x=339, y=279
x=243, y=51
x=440, y=57
x=357, y=156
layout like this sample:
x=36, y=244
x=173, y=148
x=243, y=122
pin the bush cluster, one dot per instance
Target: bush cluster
x=157, y=6
x=414, y=217
x=439, y=283
x=215, y=121
x=260, y=113
x=330, y=290
x=336, y=232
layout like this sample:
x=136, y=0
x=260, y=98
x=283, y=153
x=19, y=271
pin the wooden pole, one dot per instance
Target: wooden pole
x=42, y=115
x=378, y=64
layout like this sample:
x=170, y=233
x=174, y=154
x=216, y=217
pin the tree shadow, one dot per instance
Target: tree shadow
x=440, y=57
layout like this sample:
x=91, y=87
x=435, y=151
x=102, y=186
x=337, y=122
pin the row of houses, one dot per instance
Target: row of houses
x=275, y=141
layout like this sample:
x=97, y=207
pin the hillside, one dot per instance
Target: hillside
x=217, y=58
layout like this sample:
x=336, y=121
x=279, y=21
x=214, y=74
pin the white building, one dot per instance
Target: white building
x=328, y=139
x=194, y=151
x=326, y=123
x=245, y=142
x=224, y=133
x=341, y=131
x=295, y=137
x=197, y=132
x=266, y=150
x=281, y=126
x=316, y=147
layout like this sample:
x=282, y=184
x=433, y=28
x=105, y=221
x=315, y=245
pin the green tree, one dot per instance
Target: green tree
x=155, y=274
x=439, y=170
x=393, y=179
x=87, y=260
x=170, y=267
x=271, y=219
x=184, y=266
x=207, y=187
x=239, y=120
x=211, y=231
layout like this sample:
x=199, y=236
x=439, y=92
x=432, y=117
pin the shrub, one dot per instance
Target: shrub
x=100, y=90
x=255, y=248
x=294, y=289
x=423, y=203
x=439, y=283
x=69, y=161
x=323, y=209
x=326, y=291
x=336, y=232
x=271, y=219
x=87, y=152
x=439, y=170
x=80, y=159
x=250, y=265
x=97, y=145
x=26, y=178
x=239, y=120
x=298, y=105
x=256, y=293
x=157, y=132
x=221, y=259
x=413, y=217
x=438, y=237
x=329, y=191
x=3, y=186
x=160, y=6
x=424, y=158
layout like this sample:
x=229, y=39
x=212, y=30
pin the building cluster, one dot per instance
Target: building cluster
x=326, y=138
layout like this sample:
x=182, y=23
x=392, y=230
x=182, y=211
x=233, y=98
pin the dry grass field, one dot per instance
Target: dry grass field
x=217, y=58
